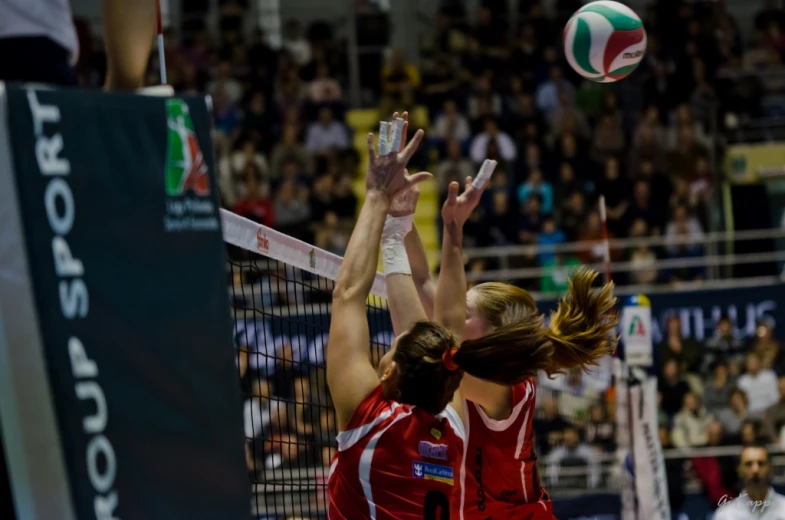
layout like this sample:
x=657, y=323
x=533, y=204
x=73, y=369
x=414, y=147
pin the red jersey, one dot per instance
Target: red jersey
x=396, y=462
x=499, y=478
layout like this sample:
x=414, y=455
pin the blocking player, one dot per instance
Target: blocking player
x=400, y=444
x=499, y=477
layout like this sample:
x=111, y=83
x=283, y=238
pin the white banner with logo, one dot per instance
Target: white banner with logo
x=651, y=483
x=636, y=334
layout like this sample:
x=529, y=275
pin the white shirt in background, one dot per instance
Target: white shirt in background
x=50, y=18
x=761, y=390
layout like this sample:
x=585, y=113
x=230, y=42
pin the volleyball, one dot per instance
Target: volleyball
x=604, y=41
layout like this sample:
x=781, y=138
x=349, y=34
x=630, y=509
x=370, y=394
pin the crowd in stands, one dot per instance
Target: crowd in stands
x=285, y=159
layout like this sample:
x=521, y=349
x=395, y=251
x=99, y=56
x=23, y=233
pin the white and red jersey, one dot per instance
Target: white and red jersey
x=396, y=462
x=499, y=478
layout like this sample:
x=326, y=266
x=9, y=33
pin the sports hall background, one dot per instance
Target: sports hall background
x=679, y=150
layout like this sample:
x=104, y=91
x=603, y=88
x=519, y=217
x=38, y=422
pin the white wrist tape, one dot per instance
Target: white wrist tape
x=394, y=255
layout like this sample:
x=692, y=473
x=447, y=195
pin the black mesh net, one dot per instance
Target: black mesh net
x=282, y=317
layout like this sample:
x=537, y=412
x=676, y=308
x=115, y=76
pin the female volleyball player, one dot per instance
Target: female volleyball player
x=401, y=441
x=499, y=478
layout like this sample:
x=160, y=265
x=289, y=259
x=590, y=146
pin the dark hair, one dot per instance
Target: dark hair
x=423, y=379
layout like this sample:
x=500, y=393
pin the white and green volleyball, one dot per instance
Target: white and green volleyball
x=604, y=41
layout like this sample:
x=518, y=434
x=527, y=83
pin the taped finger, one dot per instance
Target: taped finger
x=484, y=175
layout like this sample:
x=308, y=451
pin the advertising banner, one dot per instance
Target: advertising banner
x=121, y=248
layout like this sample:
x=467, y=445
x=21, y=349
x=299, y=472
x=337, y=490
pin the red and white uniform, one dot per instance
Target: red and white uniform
x=499, y=480
x=396, y=462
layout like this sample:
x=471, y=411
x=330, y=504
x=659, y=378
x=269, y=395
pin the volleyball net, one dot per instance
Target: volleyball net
x=281, y=292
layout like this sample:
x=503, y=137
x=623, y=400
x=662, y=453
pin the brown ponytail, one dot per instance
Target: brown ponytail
x=581, y=331
x=583, y=327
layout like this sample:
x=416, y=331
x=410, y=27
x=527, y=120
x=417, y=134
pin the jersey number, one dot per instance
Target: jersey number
x=436, y=506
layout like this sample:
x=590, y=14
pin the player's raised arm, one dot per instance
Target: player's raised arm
x=450, y=300
x=350, y=375
x=418, y=259
x=402, y=299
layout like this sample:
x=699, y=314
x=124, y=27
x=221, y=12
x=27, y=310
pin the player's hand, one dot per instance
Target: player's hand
x=405, y=202
x=387, y=171
x=457, y=209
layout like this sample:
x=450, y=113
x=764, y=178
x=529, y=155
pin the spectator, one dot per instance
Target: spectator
x=646, y=147
x=288, y=149
x=454, y=167
x=344, y=199
x=258, y=121
x=672, y=387
x=451, y=125
x=642, y=206
x=735, y=413
x=321, y=199
x=483, y=94
x=441, y=83
x=717, y=474
x=530, y=221
x=549, y=428
x=774, y=418
x=753, y=432
x=256, y=204
x=768, y=348
x=226, y=84
x=536, y=184
x=568, y=183
x=324, y=88
x=491, y=133
x=600, y=430
x=566, y=110
x=572, y=215
x=295, y=43
x=500, y=227
x=576, y=460
x=759, y=384
x=724, y=345
x=614, y=188
x=547, y=96
x=576, y=397
x=261, y=420
x=592, y=240
x=642, y=256
x=550, y=237
x=718, y=388
x=326, y=134
x=608, y=140
x=684, y=240
x=292, y=211
x=400, y=81
x=227, y=118
x=690, y=425
x=231, y=167
x=682, y=161
x=686, y=351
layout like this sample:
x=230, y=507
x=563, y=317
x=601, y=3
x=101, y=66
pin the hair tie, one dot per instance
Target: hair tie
x=447, y=355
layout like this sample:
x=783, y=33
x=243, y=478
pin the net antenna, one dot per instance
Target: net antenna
x=606, y=248
x=160, y=38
